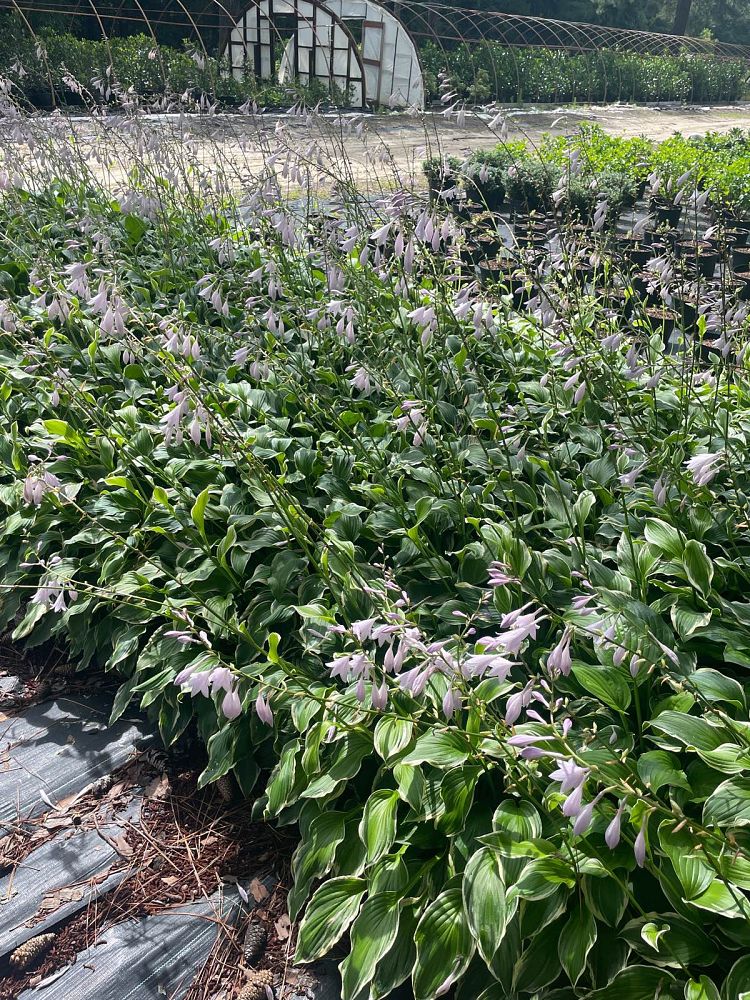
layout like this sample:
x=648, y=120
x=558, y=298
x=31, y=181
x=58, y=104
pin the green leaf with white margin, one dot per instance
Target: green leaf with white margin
x=198, y=512
x=658, y=767
x=608, y=684
x=314, y=856
x=329, y=913
x=636, y=982
x=395, y=967
x=371, y=936
x=457, y=794
x=687, y=620
x=606, y=898
x=392, y=735
x=717, y=687
x=539, y=964
x=444, y=945
x=377, y=828
x=281, y=784
x=577, y=938
x=701, y=989
x=446, y=749
x=729, y=805
x=737, y=984
x=484, y=901
x=698, y=567
x=664, y=537
x=518, y=818
x=720, y=901
x=691, y=866
x=689, y=730
x=670, y=940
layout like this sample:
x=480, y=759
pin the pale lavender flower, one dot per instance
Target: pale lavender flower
x=379, y=696
x=363, y=629
x=628, y=478
x=452, y=702
x=481, y=663
x=559, y=660
x=585, y=816
x=660, y=492
x=517, y=702
x=612, y=833
x=703, y=468
x=497, y=576
x=231, y=706
x=612, y=342
x=570, y=775
x=573, y=804
x=639, y=848
x=527, y=739
x=198, y=683
x=360, y=380
x=263, y=710
x=221, y=679
x=37, y=484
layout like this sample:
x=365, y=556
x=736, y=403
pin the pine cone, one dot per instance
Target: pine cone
x=101, y=785
x=255, y=942
x=256, y=986
x=225, y=787
x=31, y=951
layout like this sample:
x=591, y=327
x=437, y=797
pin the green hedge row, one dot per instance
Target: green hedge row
x=488, y=71
x=68, y=67
x=79, y=70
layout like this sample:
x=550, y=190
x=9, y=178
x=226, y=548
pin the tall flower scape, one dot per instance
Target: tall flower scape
x=449, y=569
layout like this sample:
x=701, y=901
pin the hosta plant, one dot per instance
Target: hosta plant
x=456, y=587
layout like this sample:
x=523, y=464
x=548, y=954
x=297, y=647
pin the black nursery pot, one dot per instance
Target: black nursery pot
x=583, y=273
x=698, y=257
x=619, y=301
x=532, y=227
x=484, y=246
x=665, y=212
x=735, y=221
x=687, y=309
x=490, y=197
x=634, y=251
x=662, y=320
x=512, y=280
x=741, y=258
x=732, y=237
x=743, y=285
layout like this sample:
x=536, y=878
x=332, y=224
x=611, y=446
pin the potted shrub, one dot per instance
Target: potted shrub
x=528, y=184
x=442, y=172
x=698, y=255
x=484, y=180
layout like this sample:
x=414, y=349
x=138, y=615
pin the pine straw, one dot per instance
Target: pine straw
x=188, y=843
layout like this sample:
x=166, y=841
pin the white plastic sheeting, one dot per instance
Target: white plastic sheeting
x=393, y=76
x=355, y=46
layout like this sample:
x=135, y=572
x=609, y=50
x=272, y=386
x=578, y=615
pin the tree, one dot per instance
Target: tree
x=681, y=17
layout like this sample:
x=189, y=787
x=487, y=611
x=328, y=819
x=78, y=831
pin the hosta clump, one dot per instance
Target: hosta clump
x=458, y=590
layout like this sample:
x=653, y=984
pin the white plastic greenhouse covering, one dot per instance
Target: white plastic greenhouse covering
x=355, y=45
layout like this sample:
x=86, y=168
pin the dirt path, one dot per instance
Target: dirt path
x=405, y=133
x=384, y=153
x=394, y=145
